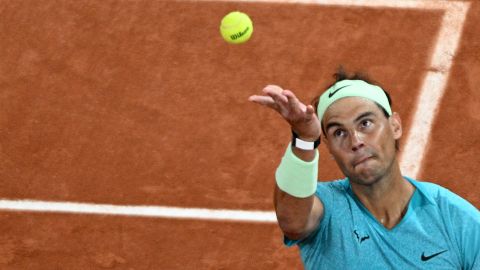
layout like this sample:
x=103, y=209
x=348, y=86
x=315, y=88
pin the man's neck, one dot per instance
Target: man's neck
x=387, y=199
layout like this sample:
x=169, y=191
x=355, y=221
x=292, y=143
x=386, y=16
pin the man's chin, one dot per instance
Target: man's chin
x=365, y=177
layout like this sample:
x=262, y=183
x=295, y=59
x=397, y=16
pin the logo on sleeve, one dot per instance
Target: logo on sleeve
x=426, y=258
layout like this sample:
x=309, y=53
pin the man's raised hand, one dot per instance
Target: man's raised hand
x=301, y=117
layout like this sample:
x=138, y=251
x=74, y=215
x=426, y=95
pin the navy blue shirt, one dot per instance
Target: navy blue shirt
x=440, y=230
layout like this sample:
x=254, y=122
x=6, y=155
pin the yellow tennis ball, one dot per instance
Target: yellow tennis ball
x=236, y=27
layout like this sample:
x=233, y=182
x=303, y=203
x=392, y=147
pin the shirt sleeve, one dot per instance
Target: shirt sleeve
x=324, y=192
x=470, y=236
x=467, y=227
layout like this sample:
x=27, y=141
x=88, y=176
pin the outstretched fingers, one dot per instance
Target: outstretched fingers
x=265, y=101
x=275, y=92
x=294, y=104
x=302, y=118
x=310, y=112
x=262, y=100
x=285, y=102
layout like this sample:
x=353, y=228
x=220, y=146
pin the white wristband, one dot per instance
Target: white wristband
x=304, y=145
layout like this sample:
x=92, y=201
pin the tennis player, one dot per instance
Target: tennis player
x=374, y=218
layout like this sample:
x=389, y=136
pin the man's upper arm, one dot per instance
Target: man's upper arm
x=322, y=207
x=316, y=215
x=322, y=199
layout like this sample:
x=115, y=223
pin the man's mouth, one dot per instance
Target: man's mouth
x=360, y=161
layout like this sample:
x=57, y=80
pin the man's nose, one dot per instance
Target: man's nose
x=357, y=141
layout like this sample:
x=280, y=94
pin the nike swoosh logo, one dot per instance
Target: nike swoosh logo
x=426, y=258
x=336, y=90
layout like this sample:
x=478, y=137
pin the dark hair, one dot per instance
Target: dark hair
x=341, y=75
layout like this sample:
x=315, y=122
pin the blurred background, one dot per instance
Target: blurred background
x=143, y=103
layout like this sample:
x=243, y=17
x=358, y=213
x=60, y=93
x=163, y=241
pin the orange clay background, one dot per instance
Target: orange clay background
x=142, y=103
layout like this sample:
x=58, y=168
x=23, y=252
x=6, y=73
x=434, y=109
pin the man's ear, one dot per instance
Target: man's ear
x=396, y=125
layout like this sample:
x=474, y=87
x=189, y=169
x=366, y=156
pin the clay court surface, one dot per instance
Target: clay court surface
x=141, y=103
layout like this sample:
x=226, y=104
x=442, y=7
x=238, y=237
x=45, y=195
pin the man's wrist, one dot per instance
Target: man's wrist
x=304, y=144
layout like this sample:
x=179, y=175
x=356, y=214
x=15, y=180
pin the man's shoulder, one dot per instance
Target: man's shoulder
x=330, y=191
x=444, y=198
x=431, y=190
x=436, y=192
x=339, y=185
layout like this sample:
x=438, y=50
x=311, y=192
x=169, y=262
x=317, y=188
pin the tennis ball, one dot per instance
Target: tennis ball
x=236, y=27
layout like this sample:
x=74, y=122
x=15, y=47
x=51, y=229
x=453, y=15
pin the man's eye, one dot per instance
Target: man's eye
x=338, y=133
x=366, y=123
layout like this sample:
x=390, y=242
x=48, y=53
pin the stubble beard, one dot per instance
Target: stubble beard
x=373, y=175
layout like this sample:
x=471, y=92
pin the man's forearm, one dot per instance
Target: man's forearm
x=295, y=215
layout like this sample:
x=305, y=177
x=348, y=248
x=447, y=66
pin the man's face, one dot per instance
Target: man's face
x=361, y=138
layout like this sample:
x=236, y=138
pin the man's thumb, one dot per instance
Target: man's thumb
x=310, y=112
